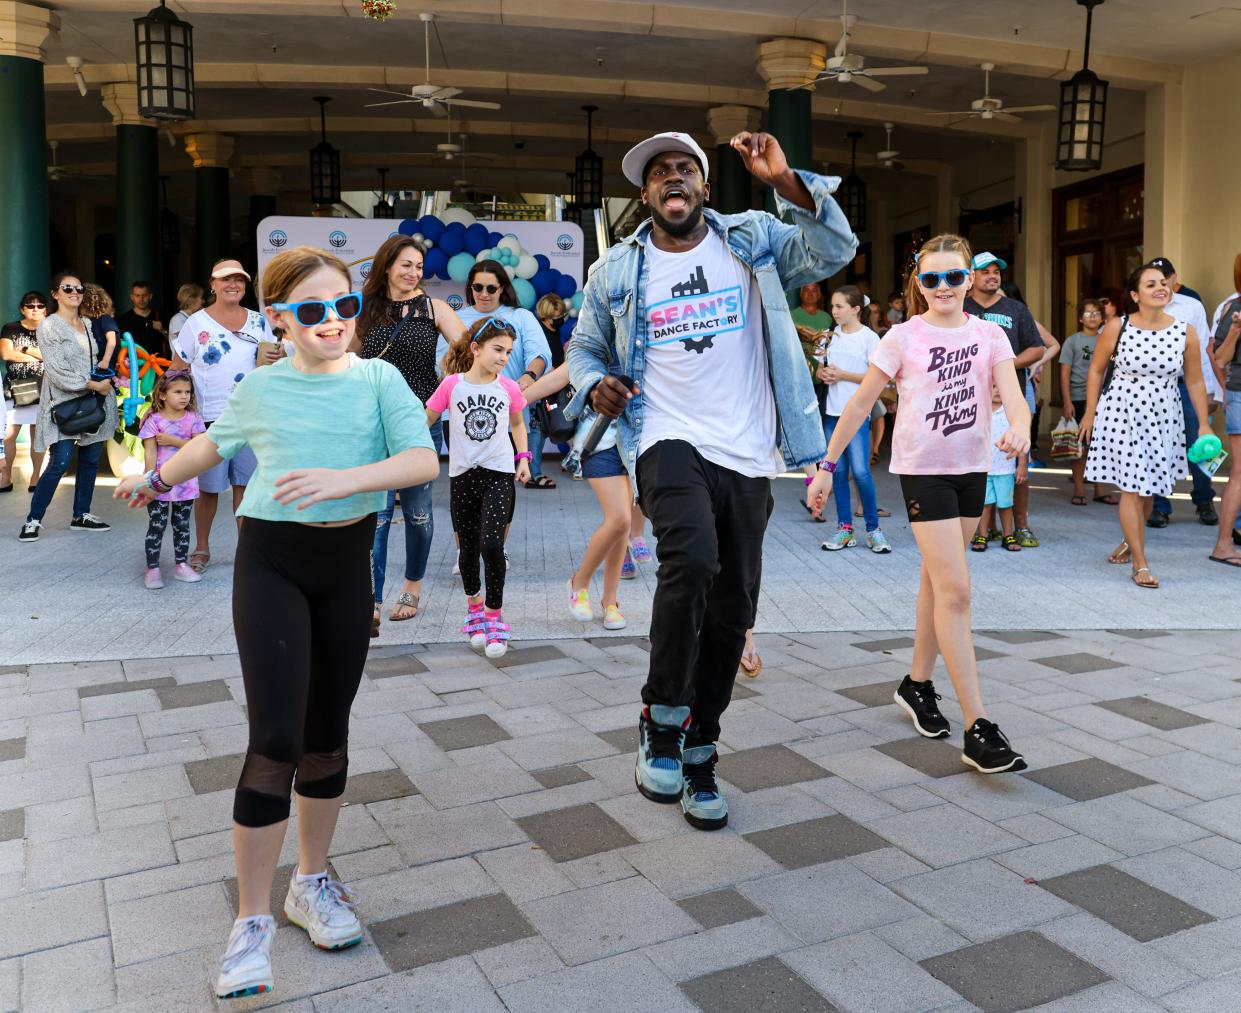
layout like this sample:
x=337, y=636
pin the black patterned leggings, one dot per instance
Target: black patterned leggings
x=158, y=511
x=481, y=502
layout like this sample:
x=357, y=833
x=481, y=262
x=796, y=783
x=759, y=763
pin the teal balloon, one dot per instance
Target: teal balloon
x=459, y=266
x=525, y=293
x=577, y=299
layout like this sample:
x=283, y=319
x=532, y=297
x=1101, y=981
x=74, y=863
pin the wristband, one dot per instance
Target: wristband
x=828, y=466
x=530, y=374
x=523, y=455
x=809, y=479
x=155, y=482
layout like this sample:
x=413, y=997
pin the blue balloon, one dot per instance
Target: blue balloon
x=542, y=282
x=493, y=239
x=566, y=286
x=409, y=227
x=566, y=330
x=431, y=227
x=542, y=261
x=452, y=241
x=475, y=239
x=459, y=266
x=525, y=293
x=435, y=262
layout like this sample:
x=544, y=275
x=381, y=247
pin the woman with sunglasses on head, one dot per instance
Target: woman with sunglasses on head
x=331, y=433
x=944, y=363
x=220, y=345
x=69, y=372
x=402, y=325
x=19, y=349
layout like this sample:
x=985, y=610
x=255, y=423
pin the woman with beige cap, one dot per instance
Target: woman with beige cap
x=220, y=345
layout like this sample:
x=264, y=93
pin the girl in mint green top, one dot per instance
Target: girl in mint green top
x=332, y=433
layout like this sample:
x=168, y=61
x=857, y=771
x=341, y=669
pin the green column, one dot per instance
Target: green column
x=137, y=211
x=24, y=250
x=731, y=188
x=211, y=218
x=788, y=120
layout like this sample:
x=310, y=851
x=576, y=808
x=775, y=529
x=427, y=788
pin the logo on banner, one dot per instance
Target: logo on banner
x=277, y=238
x=564, y=241
x=455, y=302
x=696, y=315
x=365, y=270
x=337, y=239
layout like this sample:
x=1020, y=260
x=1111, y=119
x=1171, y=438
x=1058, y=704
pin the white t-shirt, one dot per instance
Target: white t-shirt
x=850, y=352
x=1189, y=310
x=219, y=358
x=1001, y=463
x=478, y=422
x=707, y=379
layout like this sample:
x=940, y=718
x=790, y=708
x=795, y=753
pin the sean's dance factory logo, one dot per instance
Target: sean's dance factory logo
x=695, y=315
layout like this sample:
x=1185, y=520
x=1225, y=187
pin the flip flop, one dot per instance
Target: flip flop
x=880, y=510
x=1107, y=498
x=542, y=482
x=201, y=566
x=1233, y=561
x=1080, y=500
x=408, y=601
x=1150, y=584
x=1121, y=554
x=375, y=621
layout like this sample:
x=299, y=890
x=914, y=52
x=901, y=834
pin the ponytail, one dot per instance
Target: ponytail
x=915, y=302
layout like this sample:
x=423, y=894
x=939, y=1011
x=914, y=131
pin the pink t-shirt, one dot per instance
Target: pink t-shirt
x=184, y=428
x=477, y=417
x=943, y=377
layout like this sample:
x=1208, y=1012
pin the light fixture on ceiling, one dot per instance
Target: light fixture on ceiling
x=588, y=166
x=164, y=62
x=851, y=195
x=324, y=163
x=1083, y=104
x=383, y=207
x=75, y=64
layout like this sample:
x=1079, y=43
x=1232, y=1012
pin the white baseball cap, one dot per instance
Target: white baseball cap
x=636, y=158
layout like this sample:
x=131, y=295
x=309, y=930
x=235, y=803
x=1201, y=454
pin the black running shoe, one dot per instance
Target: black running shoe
x=89, y=522
x=988, y=751
x=917, y=699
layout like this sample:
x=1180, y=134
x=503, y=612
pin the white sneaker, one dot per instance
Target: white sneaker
x=456, y=565
x=245, y=968
x=324, y=908
x=579, y=603
x=185, y=572
x=612, y=618
x=153, y=580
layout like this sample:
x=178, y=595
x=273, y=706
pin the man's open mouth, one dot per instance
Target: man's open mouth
x=676, y=199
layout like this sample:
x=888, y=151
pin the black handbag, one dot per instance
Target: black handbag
x=550, y=417
x=80, y=415
x=1111, y=363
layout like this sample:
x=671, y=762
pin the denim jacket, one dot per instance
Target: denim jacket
x=610, y=335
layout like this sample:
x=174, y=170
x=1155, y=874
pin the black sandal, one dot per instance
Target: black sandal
x=1010, y=543
x=978, y=543
x=542, y=482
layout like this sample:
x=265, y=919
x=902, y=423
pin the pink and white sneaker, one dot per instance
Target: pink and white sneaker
x=497, y=636
x=186, y=573
x=475, y=626
x=154, y=580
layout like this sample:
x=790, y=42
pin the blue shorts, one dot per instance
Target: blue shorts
x=1000, y=490
x=235, y=471
x=1232, y=414
x=603, y=464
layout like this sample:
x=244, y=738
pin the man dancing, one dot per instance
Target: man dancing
x=691, y=310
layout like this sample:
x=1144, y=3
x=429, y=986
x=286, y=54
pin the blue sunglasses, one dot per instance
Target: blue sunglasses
x=314, y=311
x=931, y=279
x=495, y=323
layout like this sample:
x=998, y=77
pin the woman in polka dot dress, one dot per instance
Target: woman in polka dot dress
x=1136, y=428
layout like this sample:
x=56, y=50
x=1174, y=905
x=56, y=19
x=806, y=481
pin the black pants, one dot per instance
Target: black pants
x=302, y=604
x=709, y=523
x=159, y=511
x=481, y=503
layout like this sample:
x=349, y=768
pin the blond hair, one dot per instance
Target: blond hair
x=289, y=268
x=186, y=295
x=550, y=307
x=947, y=242
x=96, y=302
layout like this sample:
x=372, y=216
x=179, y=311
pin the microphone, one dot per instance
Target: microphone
x=600, y=425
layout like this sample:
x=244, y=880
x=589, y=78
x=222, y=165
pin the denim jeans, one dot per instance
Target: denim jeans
x=56, y=465
x=855, y=460
x=1202, y=493
x=537, y=439
x=419, y=528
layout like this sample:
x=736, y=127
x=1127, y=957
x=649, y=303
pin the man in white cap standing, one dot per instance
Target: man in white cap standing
x=714, y=402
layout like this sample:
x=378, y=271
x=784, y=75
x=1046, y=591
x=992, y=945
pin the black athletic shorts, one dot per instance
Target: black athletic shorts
x=944, y=497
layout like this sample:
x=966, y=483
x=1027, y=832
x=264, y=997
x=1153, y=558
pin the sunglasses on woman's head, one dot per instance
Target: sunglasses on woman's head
x=314, y=311
x=479, y=289
x=955, y=278
x=79, y=289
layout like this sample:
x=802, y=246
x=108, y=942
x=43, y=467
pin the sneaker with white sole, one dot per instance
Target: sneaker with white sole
x=628, y=570
x=186, y=574
x=877, y=542
x=475, y=626
x=30, y=531
x=579, y=604
x=324, y=907
x=498, y=632
x=612, y=618
x=988, y=750
x=918, y=700
x=702, y=803
x=89, y=522
x=153, y=580
x=245, y=968
x=661, y=735
x=641, y=551
x=842, y=539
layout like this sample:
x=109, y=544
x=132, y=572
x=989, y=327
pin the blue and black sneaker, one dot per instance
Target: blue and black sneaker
x=661, y=734
x=702, y=802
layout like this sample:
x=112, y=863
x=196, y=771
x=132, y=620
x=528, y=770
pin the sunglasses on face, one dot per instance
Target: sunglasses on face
x=479, y=289
x=34, y=306
x=314, y=311
x=73, y=288
x=931, y=279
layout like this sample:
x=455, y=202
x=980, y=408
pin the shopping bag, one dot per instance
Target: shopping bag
x=1066, y=440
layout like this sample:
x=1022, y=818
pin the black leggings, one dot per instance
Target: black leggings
x=158, y=512
x=302, y=604
x=481, y=503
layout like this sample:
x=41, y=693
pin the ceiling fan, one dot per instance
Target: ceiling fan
x=844, y=67
x=989, y=107
x=55, y=173
x=430, y=96
x=888, y=157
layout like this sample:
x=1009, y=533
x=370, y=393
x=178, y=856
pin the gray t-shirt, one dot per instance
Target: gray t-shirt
x=1221, y=331
x=1077, y=352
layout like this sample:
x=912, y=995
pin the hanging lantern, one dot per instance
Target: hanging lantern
x=324, y=163
x=164, y=61
x=384, y=209
x=1083, y=104
x=588, y=192
x=851, y=195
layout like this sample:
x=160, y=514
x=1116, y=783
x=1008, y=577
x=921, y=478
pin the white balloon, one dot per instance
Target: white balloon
x=510, y=270
x=457, y=215
x=572, y=311
x=527, y=266
x=510, y=243
x=418, y=237
x=428, y=243
x=485, y=255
